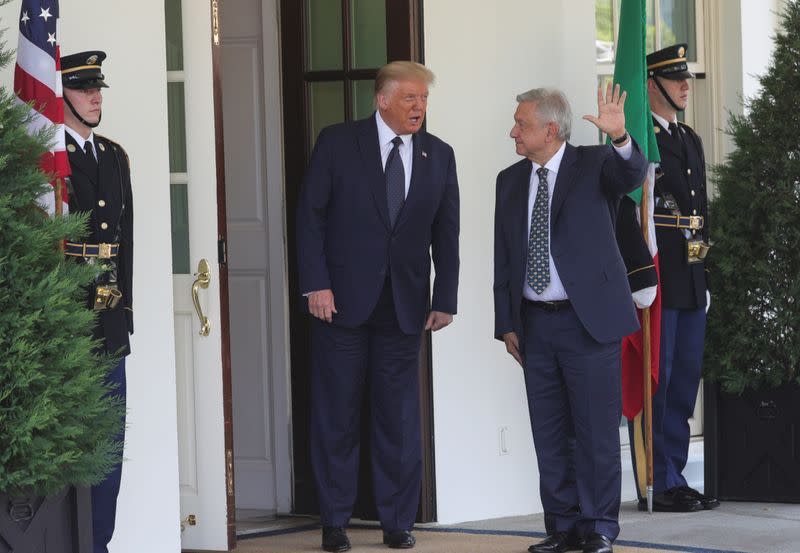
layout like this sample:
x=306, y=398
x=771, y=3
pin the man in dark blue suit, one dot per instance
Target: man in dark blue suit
x=561, y=286
x=379, y=199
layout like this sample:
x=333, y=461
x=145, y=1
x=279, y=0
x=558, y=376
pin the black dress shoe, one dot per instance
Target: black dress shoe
x=558, y=542
x=672, y=501
x=334, y=539
x=597, y=543
x=706, y=501
x=399, y=539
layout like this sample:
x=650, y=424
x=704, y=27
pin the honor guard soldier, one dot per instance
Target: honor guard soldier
x=100, y=185
x=682, y=234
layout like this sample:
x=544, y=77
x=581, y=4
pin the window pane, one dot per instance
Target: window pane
x=327, y=105
x=368, y=27
x=324, y=34
x=363, y=98
x=678, y=25
x=602, y=83
x=172, y=10
x=650, y=39
x=179, y=207
x=604, y=41
x=176, y=114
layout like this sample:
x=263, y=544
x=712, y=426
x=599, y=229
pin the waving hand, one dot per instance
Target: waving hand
x=610, y=111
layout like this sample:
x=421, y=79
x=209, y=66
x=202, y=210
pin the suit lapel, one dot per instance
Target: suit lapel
x=519, y=203
x=564, y=181
x=373, y=168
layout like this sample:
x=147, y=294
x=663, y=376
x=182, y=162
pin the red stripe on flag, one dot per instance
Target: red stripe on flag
x=50, y=164
x=30, y=90
x=61, y=165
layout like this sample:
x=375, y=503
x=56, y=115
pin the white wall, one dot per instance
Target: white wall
x=132, y=34
x=762, y=18
x=736, y=55
x=483, y=56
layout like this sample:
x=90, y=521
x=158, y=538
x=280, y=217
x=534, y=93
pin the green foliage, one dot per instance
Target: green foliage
x=57, y=425
x=754, y=323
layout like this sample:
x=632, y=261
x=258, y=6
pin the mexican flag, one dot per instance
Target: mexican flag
x=630, y=71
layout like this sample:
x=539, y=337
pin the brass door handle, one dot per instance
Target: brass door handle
x=203, y=275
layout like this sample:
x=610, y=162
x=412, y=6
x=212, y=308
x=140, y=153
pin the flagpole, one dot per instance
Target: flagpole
x=647, y=366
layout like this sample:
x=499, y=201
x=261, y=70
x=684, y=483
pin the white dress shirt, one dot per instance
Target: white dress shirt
x=664, y=123
x=81, y=141
x=385, y=137
x=555, y=290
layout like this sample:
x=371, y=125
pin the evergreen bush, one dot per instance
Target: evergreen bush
x=753, y=337
x=57, y=425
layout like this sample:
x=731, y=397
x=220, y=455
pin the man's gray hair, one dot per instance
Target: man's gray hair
x=551, y=105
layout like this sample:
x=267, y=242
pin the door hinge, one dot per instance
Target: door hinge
x=229, y=471
x=222, y=250
x=191, y=520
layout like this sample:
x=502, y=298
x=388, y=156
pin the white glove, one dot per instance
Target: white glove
x=645, y=297
x=708, y=300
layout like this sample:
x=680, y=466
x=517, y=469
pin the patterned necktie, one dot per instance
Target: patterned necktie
x=538, y=243
x=395, y=180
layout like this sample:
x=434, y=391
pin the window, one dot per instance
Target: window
x=176, y=110
x=677, y=21
x=346, y=44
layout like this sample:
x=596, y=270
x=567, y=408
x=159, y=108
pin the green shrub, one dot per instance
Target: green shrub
x=57, y=425
x=754, y=323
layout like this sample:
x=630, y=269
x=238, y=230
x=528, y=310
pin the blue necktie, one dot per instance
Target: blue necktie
x=538, y=243
x=395, y=180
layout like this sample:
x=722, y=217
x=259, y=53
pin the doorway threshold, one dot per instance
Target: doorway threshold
x=258, y=521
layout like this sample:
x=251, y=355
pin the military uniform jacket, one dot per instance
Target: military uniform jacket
x=635, y=254
x=104, y=190
x=682, y=174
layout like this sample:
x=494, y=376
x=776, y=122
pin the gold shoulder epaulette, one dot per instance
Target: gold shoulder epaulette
x=116, y=146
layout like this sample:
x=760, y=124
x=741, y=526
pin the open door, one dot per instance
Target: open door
x=331, y=52
x=199, y=276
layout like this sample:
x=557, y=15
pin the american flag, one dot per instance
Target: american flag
x=37, y=82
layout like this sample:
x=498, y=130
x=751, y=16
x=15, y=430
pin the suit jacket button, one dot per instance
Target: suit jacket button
x=688, y=171
x=104, y=226
x=692, y=192
x=101, y=203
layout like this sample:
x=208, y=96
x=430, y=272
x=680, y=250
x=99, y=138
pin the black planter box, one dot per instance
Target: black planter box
x=752, y=444
x=59, y=523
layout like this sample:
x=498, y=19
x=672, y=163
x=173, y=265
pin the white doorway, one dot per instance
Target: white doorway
x=256, y=254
